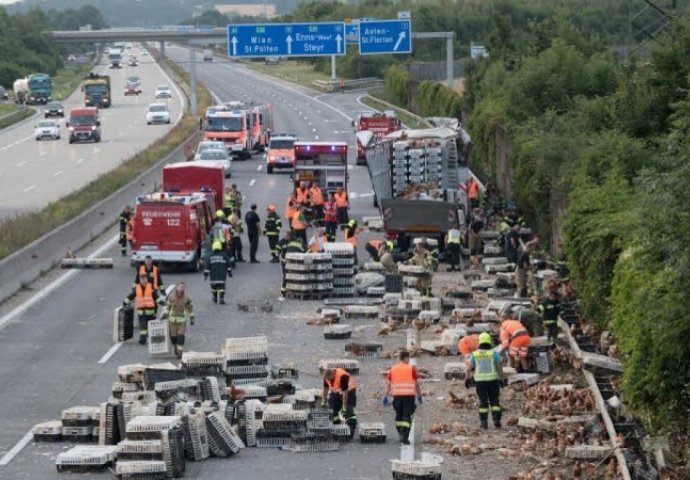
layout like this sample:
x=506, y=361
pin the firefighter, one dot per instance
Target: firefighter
x=178, y=310
x=453, y=242
x=330, y=217
x=272, y=228
x=218, y=267
x=403, y=385
x=340, y=391
x=317, y=203
x=237, y=229
x=152, y=273
x=147, y=298
x=232, y=200
x=342, y=206
x=125, y=217
x=288, y=244
x=221, y=231
x=485, y=366
x=549, y=309
x=299, y=225
x=423, y=258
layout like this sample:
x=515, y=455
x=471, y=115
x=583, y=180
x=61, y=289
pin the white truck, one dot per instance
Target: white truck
x=417, y=177
x=21, y=90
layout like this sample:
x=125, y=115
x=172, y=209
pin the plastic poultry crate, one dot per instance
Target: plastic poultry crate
x=77, y=434
x=349, y=365
x=372, y=432
x=284, y=370
x=361, y=311
x=222, y=435
x=173, y=452
x=196, y=437
x=337, y=332
x=85, y=458
x=48, y=431
x=80, y=416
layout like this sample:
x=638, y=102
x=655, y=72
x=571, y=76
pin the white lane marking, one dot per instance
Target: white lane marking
x=43, y=153
x=259, y=168
x=252, y=182
x=313, y=129
x=316, y=137
x=29, y=188
x=21, y=140
x=110, y=353
x=21, y=164
x=79, y=161
x=52, y=286
x=309, y=123
x=17, y=448
x=58, y=173
x=96, y=150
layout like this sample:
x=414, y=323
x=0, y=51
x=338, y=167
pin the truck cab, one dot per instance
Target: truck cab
x=40, y=88
x=281, y=152
x=232, y=127
x=84, y=125
x=171, y=228
x=96, y=90
x=371, y=128
x=323, y=163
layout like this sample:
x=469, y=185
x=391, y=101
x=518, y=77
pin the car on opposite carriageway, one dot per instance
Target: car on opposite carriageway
x=47, y=129
x=53, y=109
x=158, y=113
x=216, y=156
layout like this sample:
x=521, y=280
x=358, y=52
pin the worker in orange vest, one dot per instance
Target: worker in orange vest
x=403, y=385
x=373, y=247
x=467, y=345
x=516, y=339
x=152, y=273
x=147, y=299
x=330, y=217
x=342, y=205
x=298, y=222
x=340, y=391
x=302, y=195
x=317, y=202
x=290, y=207
x=473, y=193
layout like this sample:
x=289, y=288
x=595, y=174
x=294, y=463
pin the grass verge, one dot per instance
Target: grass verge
x=20, y=113
x=372, y=100
x=68, y=79
x=301, y=73
x=23, y=229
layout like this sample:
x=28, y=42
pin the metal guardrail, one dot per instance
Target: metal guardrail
x=355, y=84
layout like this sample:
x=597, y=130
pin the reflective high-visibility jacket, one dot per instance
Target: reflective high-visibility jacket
x=485, y=369
x=336, y=385
x=340, y=199
x=316, y=196
x=403, y=379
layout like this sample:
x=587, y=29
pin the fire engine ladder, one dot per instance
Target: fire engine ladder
x=452, y=164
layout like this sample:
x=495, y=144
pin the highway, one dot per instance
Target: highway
x=35, y=173
x=57, y=352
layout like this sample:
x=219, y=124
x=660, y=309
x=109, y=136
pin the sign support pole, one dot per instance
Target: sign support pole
x=449, y=63
x=334, y=77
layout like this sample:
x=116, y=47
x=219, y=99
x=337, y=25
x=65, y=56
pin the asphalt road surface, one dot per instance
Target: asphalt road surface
x=35, y=173
x=57, y=352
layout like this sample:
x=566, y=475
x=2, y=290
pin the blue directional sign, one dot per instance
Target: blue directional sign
x=286, y=40
x=385, y=36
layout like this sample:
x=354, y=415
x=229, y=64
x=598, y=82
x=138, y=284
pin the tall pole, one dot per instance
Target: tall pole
x=450, y=75
x=333, y=73
x=192, y=79
x=162, y=49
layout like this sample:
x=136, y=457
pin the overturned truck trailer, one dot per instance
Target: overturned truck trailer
x=417, y=177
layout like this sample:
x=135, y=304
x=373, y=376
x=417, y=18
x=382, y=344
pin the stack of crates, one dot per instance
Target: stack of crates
x=399, y=167
x=412, y=273
x=78, y=424
x=433, y=164
x=196, y=436
x=308, y=275
x=159, y=337
x=416, y=162
x=246, y=360
x=279, y=423
x=223, y=439
x=186, y=389
x=343, y=259
x=155, y=439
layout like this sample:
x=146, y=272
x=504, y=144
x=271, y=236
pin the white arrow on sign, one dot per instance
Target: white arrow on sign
x=401, y=37
x=339, y=41
x=288, y=40
x=234, y=46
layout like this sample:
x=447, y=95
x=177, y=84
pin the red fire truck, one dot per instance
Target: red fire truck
x=171, y=228
x=324, y=163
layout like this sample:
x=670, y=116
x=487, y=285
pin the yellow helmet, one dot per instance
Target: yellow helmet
x=485, y=339
x=217, y=245
x=220, y=214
